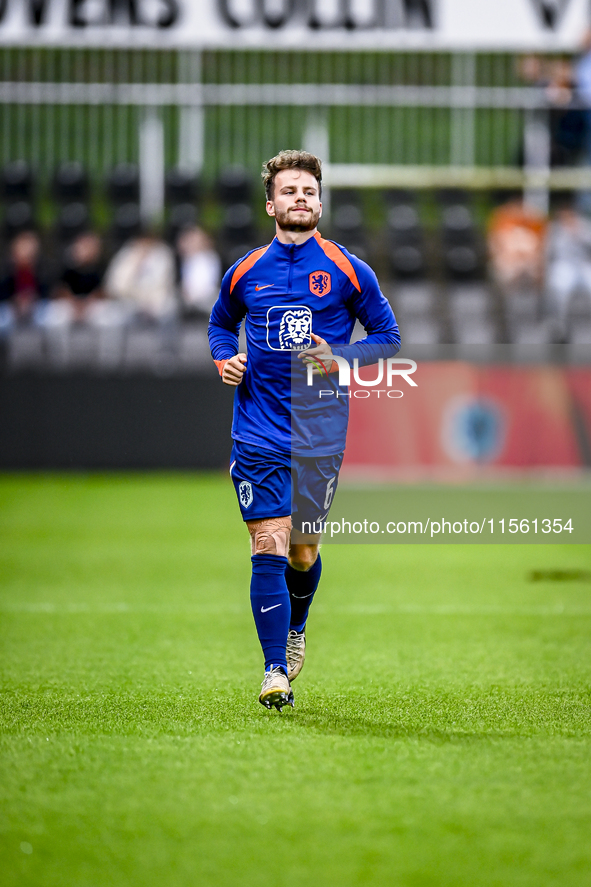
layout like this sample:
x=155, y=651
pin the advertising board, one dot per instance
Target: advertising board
x=298, y=24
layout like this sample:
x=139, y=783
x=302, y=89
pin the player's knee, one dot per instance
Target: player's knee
x=270, y=535
x=304, y=558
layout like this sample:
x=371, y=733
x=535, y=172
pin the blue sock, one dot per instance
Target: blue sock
x=302, y=587
x=269, y=599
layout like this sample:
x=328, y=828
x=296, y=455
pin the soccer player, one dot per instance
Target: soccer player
x=298, y=294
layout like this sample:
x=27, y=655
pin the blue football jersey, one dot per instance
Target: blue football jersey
x=286, y=292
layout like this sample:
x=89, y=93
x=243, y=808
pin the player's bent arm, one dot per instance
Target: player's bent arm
x=318, y=356
x=224, y=326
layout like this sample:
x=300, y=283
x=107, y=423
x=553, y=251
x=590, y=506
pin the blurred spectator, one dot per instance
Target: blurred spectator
x=79, y=289
x=582, y=78
x=568, y=273
x=200, y=273
x=142, y=277
x=531, y=68
x=553, y=75
x=557, y=78
x=83, y=273
x=516, y=236
x=79, y=300
x=568, y=121
x=23, y=287
x=582, y=81
x=559, y=88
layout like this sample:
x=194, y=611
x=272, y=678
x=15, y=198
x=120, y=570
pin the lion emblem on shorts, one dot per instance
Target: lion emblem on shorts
x=295, y=328
x=245, y=493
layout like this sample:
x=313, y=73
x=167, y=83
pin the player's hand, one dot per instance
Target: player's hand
x=319, y=356
x=234, y=370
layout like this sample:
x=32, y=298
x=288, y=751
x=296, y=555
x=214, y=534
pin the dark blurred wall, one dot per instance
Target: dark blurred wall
x=83, y=421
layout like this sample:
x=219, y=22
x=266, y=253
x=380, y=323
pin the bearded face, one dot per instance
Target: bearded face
x=297, y=220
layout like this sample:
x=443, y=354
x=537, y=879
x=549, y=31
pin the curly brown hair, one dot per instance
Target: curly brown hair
x=290, y=160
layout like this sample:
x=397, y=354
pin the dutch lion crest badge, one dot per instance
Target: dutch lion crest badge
x=320, y=283
x=245, y=493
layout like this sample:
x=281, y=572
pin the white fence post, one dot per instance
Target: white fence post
x=191, y=146
x=463, y=147
x=536, y=154
x=316, y=140
x=151, y=152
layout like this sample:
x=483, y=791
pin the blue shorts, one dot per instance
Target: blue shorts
x=273, y=484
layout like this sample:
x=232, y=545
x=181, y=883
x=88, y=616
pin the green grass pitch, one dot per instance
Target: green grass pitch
x=441, y=735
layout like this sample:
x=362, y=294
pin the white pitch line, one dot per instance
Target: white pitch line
x=117, y=609
x=454, y=610
x=352, y=609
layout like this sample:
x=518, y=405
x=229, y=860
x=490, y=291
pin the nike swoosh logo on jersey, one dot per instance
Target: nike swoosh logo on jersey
x=266, y=609
x=265, y=287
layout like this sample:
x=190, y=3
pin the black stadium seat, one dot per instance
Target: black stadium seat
x=234, y=189
x=459, y=240
x=181, y=187
x=70, y=182
x=123, y=184
x=127, y=221
x=73, y=219
x=180, y=217
x=347, y=223
x=234, y=185
x=18, y=217
x=17, y=180
x=406, y=244
x=238, y=223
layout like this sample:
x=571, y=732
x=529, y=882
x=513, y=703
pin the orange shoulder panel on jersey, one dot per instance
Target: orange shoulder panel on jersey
x=247, y=264
x=339, y=258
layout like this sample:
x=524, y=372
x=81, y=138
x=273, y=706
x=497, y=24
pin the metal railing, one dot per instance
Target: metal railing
x=381, y=119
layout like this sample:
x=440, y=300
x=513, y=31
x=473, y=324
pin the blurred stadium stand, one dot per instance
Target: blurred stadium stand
x=348, y=225
x=181, y=195
x=234, y=190
x=405, y=236
x=416, y=145
x=462, y=258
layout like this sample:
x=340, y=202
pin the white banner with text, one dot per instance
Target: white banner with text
x=542, y=25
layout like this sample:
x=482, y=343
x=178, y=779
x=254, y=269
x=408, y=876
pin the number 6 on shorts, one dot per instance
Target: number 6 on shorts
x=329, y=492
